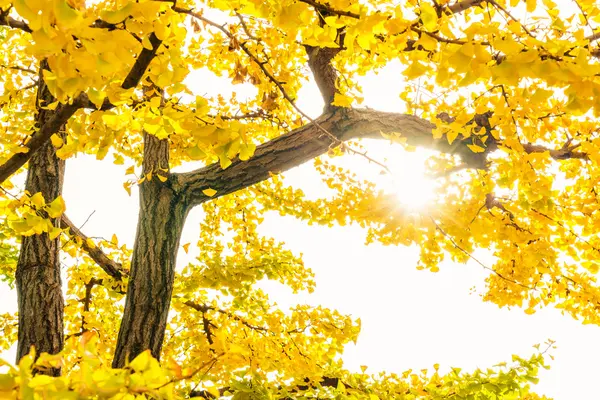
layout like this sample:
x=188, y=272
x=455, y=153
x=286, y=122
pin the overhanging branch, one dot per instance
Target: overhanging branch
x=304, y=144
x=307, y=142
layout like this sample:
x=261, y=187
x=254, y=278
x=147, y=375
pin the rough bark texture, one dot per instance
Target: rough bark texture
x=39, y=293
x=319, y=61
x=160, y=223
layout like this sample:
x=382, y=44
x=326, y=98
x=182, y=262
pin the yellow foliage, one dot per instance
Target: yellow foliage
x=527, y=192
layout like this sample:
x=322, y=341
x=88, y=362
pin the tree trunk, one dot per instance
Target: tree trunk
x=39, y=292
x=160, y=223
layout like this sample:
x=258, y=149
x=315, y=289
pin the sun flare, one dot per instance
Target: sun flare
x=408, y=181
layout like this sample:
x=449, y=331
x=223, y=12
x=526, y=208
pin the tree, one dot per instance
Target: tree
x=514, y=116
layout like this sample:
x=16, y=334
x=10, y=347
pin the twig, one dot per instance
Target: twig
x=505, y=11
x=17, y=68
x=276, y=82
x=475, y=259
x=328, y=9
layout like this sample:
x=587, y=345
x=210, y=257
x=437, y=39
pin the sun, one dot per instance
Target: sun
x=413, y=189
x=408, y=181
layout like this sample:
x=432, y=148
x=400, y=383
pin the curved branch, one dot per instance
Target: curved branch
x=309, y=141
x=304, y=144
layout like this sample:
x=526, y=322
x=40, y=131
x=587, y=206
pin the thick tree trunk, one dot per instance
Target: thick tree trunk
x=39, y=293
x=160, y=223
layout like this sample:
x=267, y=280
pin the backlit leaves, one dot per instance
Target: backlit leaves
x=532, y=202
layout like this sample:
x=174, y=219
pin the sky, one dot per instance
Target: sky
x=410, y=318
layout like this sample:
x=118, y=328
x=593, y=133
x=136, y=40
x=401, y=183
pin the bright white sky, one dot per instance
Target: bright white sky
x=410, y=319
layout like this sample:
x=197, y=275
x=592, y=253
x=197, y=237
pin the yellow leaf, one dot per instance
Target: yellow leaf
x=65, y=15
x=224, y=161
x=415, y=70
x=130, y=170
x=146, y=43
x=186, y=247
x=96, y=97
x=209, y=192
x=37, y=200
x=428, y=16
x=40, y=380
x=90, y=243
x=56, y=141
x=451, y=135
x=114, y=17
x=54, y=232
x=56, y=208
x=142, y=361
x=114, y=240
x=195, y=153
x=476, y=149
x=213, y=390
x=161, y=177
x=342, y=100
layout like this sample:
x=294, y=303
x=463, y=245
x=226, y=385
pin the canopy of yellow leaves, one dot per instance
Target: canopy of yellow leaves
x=533, y=203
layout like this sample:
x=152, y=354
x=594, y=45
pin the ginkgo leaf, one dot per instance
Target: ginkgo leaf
x=341, y=100
x=114, y=17
x=65, y=14
x=428, y=16
x=56, y=141
x=37, y=200
x=475, y=148
x=209, y=192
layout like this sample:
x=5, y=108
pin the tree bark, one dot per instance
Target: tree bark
x=39, y=292
x=160, y=223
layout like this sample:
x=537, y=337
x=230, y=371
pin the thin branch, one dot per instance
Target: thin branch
x=17, y=68
x=593, y=37
x=457, y=246
x=509, y=15
x=203, y=308
x=109, y=266
x=565, y=153
x=461, y=6
x=274, y=80
x=566, y=228
x=330, y=10
x=37, y=140
x=584, y=14
x=5, y=20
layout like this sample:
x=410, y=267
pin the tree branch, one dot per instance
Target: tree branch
x=309, y=141
x=306, y=143
x=5, y=20
x=37, y=140
x=65, y=111
x=461, y=6
x=112, y=268
x=329, y=10
x=564, y=153
x=319, y=61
